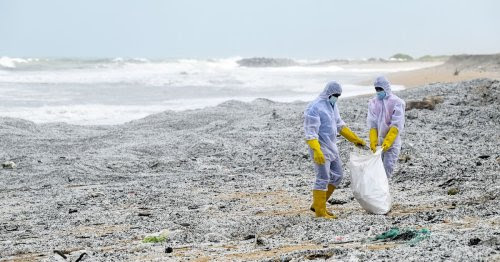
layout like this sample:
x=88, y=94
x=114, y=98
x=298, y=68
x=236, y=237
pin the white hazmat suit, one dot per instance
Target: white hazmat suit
x=384, y=114
x=322, y=121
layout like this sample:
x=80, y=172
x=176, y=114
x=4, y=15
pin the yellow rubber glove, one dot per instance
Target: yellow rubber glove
x=373, y=139
x=353, y=138
x=319, y=158
x=390, y=137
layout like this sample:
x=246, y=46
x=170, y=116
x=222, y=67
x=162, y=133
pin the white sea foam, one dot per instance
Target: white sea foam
x=110, y=91
x=96, y=114
x=8, y=62
x=82, y=114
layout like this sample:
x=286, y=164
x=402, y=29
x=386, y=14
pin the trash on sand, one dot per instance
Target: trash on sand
x=453, y=191
x=474, y=241
x=156, y=238
x=413, y=236
x=80, y=257
x=60, y=253
x=9, y=165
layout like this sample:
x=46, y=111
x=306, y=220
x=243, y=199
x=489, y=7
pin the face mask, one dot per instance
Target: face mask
x=381, y=95
x=333, y=100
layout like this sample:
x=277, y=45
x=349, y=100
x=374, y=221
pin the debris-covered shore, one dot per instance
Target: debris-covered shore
x=233, y=182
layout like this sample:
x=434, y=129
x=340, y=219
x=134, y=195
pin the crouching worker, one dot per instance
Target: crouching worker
x=386, y=120
x=322, y=122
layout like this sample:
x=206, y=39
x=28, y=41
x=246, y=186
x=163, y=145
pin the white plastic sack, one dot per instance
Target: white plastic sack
x=369, y=182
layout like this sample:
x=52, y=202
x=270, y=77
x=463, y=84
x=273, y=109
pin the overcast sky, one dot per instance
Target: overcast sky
x=226, y=28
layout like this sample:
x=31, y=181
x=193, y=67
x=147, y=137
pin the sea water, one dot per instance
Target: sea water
x=113, y=91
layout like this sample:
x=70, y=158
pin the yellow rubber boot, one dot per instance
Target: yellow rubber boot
x=390, y=137
x=319, y=204
x=373, y=139
x=351, y=137
x=329, y=193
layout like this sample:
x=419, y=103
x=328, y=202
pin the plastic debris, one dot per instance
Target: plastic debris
x=390, y=234
x=156, y=238
x=9, y=165
x=413, y=236
x=453, y=191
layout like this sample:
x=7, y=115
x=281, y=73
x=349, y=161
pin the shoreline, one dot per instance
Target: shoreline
x=303, y=83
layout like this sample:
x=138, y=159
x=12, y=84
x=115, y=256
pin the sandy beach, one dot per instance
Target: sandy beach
x=232, y=183
x=437, y=75
x=458, y=68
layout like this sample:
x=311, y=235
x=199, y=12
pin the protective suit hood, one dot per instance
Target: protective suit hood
x=331, y=88
x=382, y=82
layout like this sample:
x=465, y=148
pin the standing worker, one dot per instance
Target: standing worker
x=322, y=122
x=386, y=120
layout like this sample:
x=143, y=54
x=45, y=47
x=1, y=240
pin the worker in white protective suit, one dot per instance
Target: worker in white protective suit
x=322, y=122
x=386, y=120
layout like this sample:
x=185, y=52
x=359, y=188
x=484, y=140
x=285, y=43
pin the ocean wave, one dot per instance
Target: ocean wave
x=107, y=114
x=116, y=90
x=8, y=62
x=181, y=72
x=266, y=62
x=130, y=60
